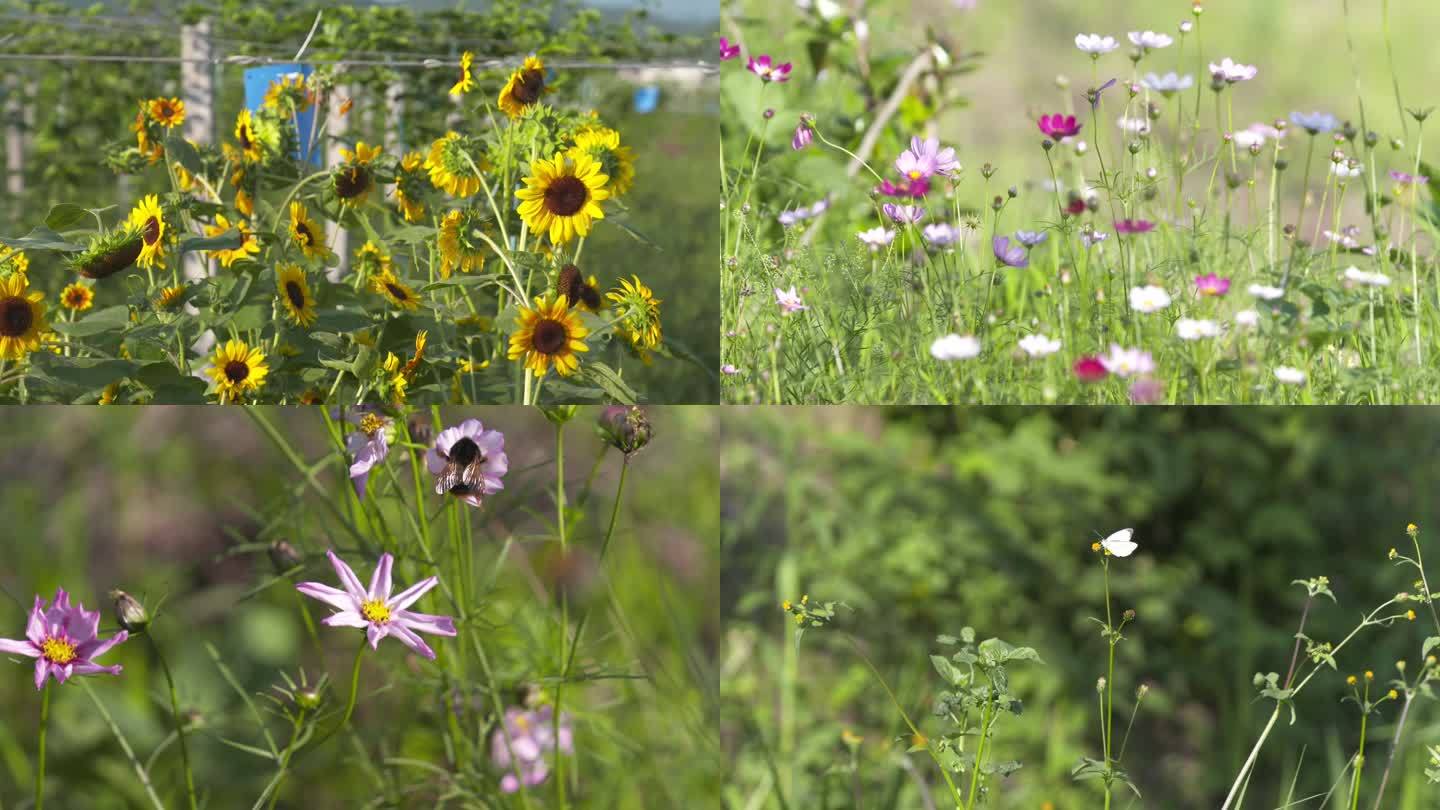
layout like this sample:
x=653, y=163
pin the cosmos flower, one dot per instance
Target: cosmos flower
x=1290, y=376
x=524, y=742
x=1038, y=345
x=1346, y=169
x=803, y=135
x=1123, y=362
x=1089, y=368
x=1149, y=40
x=1265, y=292
x=1314, y=122
x=1059, y=126
x=375, y=610
x=955, y=347
x=1247, y=318
x=1012, y=256
x=728, y=50
x=767, y=71
x=1146, y=390
x=1355, y=275
x=1093, y=238
x=1212, y=284
x=63, y=640
x=1149, y=298
x=789, y=301
x=914, y=189
x=1346, y=237
x=925, y=158
x=729, y=369
x=1124, y=226
x=1095, y=45
x=940, y=234
x=1135, y=126
x=468, y=461
x=368, y=445
x=1405, y=178
x=1168, y=84
x=1030, y=238
x=877, y=238
x=904, y=214
x=1192, y=329
x=1230, y=71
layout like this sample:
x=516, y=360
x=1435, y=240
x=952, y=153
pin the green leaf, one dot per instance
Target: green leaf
x=78, y=373
x=947, y=670
x=1430, y=644
x=110, y=319
x=41, y=238
x=229, y=240
x=179, y=150
x=609, y=381
x=63, y=216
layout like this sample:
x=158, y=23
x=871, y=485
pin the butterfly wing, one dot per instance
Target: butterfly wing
x=1120, y=544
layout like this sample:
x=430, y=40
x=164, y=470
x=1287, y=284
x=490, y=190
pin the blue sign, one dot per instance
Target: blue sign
x=258, y=81
x=647, y=98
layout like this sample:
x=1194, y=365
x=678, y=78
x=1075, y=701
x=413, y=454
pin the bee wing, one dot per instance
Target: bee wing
x=450, y=478
x=472, y=476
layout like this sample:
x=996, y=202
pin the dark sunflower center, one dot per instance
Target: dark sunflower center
x=566, y=196
x=295, y=294
x=303, y=234
x=152, y=230
x=166, y=111
x=550, y=336
x=464, y=451
x=352, y=182
x=237, y=370
x=245, y=139
x=397, y=291
x=532, y=83
x=16, y=317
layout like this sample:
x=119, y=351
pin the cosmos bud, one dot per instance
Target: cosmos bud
x=559, y=414
x=283, y=556
x=625, y=428
x=129, y=613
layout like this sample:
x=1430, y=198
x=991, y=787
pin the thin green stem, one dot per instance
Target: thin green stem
x=40, y=764
x=560, y=521
x=178, y=720
x=284, y=761
x=140, y=771
x=350, y=704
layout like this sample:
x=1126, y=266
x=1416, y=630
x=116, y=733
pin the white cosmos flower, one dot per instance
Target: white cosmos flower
x=1192, y=329
x=1247, y=317
x=1265, y=292
x=1038, y=345
x=1138, y=126
x=955, y=347
x=1094, y=44
x=876, y=238
x=1149, y=299
x=1345, y=169
x=1150, y=39
x=1358, y=276
x=1171, y=82
x=1119, y=543
x=1290, y=376
x=1231, y=71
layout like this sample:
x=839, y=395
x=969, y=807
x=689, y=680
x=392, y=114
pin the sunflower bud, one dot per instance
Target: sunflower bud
x=129, y=613
x=625, y=428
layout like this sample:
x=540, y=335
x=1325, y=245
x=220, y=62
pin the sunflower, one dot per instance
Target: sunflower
x=460, y=248
x=578, y=291
x=563, y=196
x=455, y=163
x=524, y=88
x=616, y=162
x=244, y=203
x=245, y=134
x=109, y=253
x=387, y=284
x=407, y=188
x=22, y=318
x=110, y=394
x=237, y=370
x=249, y=245
x=13, y=261
x=295, y=294
x=353, y=179
x=640, y=313
x=286, y=92
x=170, y=297
x=183, y=179
x=550, y=333
x=467, y=82
x=150, y=220
x=306, y=234
x=77, y=297
x=167, y=112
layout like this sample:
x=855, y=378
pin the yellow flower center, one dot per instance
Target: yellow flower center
x=371, y=423
x=375, y=611
x=58, y=650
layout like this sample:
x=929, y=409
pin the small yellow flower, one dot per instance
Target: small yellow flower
x=77, y=297
x=470, y=366
x=455, y=164
x=149, y=219
x=13, y=261
x=466, y=82
x=550, y=334
x=1392, y=694
x=524, y=88
x=850, y=738
x=640, y=313
x=245, y=134
x=286, y=91
x=249, y=245
x=295, y=296
x=110, y=394
x=616, y=162
x=1410, y=615
x=400, y=294
x=1094, y=546
x=183, y=179
x=1369, y=676
x=167, y=112
x=562, y=196
x=1411, y=528
x=785, y=605
x=307, y=235
x=460, y=248
x=805, y=599
x=1351, y=680
x=170, y=297
x=237, y=370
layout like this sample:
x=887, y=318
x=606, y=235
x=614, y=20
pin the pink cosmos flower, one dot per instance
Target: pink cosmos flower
x=728, y=50
x=1123, y=362
x=914, y=189
x=367, y=446
x=63, y=641
x=1146, y=391
x=803, y=135
x=375, y=610
x=1134, y=226
x=1212, y=284
x=768, y=72
x=925, y=158
x=468, y=461
x=903, y=214
x=789, y=300
x=1090, y=368
x=531, y=736
x=1059, y=126
x=1405, y=178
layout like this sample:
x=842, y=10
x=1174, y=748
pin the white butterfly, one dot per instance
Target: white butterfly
x=1119, y=543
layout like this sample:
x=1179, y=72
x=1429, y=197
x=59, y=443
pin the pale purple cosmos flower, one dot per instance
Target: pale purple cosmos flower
x=1314, y=122
x=729, y=368
x=767, y=71
x=1231, y=71
x=1013, y=256
x=1405, y=178
x=1094, y=44
x=940, y=234
x=367, y=446
x=1146, y=391
x=1030, y=238
x=1149, y=40
x=1093, y=238
x=876, y=238
x=1346, y=236
x=63, y=641
x=468, y=461
x=789, y=300
x=728, y=50
x=1123, y=362
x=788, y=218
x=1168, y=84
x=531, y=736
x=926, y=158
x=803, y=135
x=903, y=214
x=375, y=611
x=1212, y=284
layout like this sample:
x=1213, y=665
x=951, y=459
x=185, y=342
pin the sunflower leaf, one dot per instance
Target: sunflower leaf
x=609, y=381
x=110, y=319
x=180, y=150
x=41, y=238
x=230, y=240
x=639, y=237
x=63, y=216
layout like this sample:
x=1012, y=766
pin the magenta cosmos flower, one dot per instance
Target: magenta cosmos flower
x=913, y=189
x=926, y=158
x=728, y=50
x=377, y=612
x=63, y=640
x=1212, y=284
x=767, y=71
x=468, y=461
x=1090, y=368
x=1059, y=126
x=789, y=300
x=1134, y=226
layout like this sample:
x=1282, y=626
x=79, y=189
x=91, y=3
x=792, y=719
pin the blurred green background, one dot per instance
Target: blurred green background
x=926, y=520
x=154, y=500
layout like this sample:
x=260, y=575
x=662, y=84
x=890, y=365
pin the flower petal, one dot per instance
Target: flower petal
x=96, y=669
x=407, y=597
x=35, y=628
x=334, y=597
x=425, y=622
x=345, y=618
x=18, y=647
x=412, y=641
x=42, y=668
x=95, y=648
x=433, y=462
x=347, y=576
x=380, y=580
x=375, y=632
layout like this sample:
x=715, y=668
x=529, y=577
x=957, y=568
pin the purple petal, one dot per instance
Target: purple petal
x=445, y=440
x=412, y=641
x=35, y=628
x=96, y=669
x=425, y=622
x=333, y=597
x=347, y=577
x=380, y=580
x=359, y=481
x=95, y=648
x=42, y=668
x=348, y=618
x=433, y=462
x=407, y=597
x=17, y=647
x=375, y=632
x=509, y=784
x=83, y=626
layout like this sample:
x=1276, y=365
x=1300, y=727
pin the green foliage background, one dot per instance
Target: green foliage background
x=925, y=520
x=155, y=500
